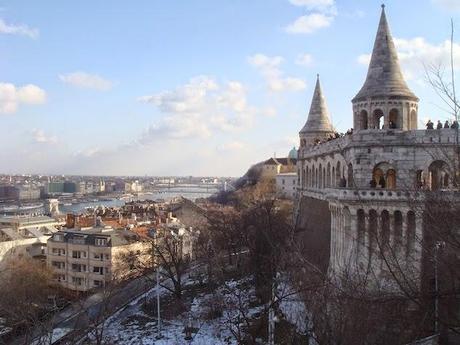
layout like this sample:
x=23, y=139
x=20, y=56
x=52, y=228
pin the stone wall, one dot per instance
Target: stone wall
x=313, y=227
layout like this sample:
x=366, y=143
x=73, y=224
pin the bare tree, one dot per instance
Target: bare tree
x=26, y=285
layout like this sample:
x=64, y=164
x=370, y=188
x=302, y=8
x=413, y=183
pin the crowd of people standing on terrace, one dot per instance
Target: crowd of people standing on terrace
x=439, y=125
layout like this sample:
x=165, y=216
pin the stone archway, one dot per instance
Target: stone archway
x=378, y=119
x=350, y=181
x=391, y=179
x=384, y=176
x=338, y=176
x=363, y=120
x=439, y=175
x=385, y=230
x=393, y=119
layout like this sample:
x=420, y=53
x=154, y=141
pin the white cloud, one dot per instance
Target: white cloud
x=86, y=80
x=449, y=5
x=231, y=146
x=269, y=67
x=39, y=136
x=416, y=52
x=304, y=60
x=21, y=29
x=309, y=23
x=198, y=109
x=12, y=96
x=269, y=112
x=313, y=4
x=320, y=14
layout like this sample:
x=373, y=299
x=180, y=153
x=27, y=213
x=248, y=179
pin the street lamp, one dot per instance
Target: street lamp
x=437, y=246
x=154, y=234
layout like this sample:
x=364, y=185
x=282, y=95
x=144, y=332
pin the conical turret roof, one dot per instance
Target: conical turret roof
x=384, y=76
x=318, y=117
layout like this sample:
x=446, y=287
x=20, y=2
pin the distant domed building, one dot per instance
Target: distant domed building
x=293, y=153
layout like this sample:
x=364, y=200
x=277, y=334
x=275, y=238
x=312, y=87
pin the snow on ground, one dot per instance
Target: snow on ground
x=293, y=308
x=134, y=326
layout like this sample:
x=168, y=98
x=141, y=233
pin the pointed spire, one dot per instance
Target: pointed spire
x=318, y=117
x=384, y=76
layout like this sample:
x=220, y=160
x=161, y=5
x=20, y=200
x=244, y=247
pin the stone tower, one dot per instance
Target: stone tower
x=385, y=101
x=318, y=125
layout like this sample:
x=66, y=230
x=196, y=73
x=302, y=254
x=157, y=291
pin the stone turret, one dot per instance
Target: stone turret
x=318, y=125
x=385, y=100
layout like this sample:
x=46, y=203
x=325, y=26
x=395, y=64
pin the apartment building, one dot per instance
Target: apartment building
x=89, y=258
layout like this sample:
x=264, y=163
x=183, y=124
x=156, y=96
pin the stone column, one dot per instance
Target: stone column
x=332, y=211
x=353, y=250
x=366, y=248
x=392, y=229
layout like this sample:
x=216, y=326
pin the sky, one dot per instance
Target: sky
x=199, y=87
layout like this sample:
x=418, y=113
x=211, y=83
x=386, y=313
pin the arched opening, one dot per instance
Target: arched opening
x=361, y=229
x=439, y=175
x=398, y=224
x=304, y=180
x=377, y=176
x=391, y=179
x=350, y=176
x=320, y=181
x=378, y=119
x=315, y=184
x=372, y=231
x=413, y=119
x=385, y=231
x=324, y=178
x=328, y=184
x=303, y=143
x=383, y=176
x=347, y=233
x=410, y=235
x=363, y=120
x=333, y=183
x=420, y=182
x=393, y=120
x=337, y=174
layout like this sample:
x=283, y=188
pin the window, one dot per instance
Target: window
x=58, y=251
x=58, y=237
x=78, y=268
x=282, y=181
x=78, y=239
x=58, y=264
x=98, y=283
x=97, y=269
x=60, y=277
x=107, y=257
x=76, y=254
x=77, y=281
x=98, y=256
x=101, y=242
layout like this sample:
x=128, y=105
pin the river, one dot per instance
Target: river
x=191, y=193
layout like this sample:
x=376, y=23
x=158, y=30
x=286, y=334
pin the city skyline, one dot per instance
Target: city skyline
x=167, y=89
